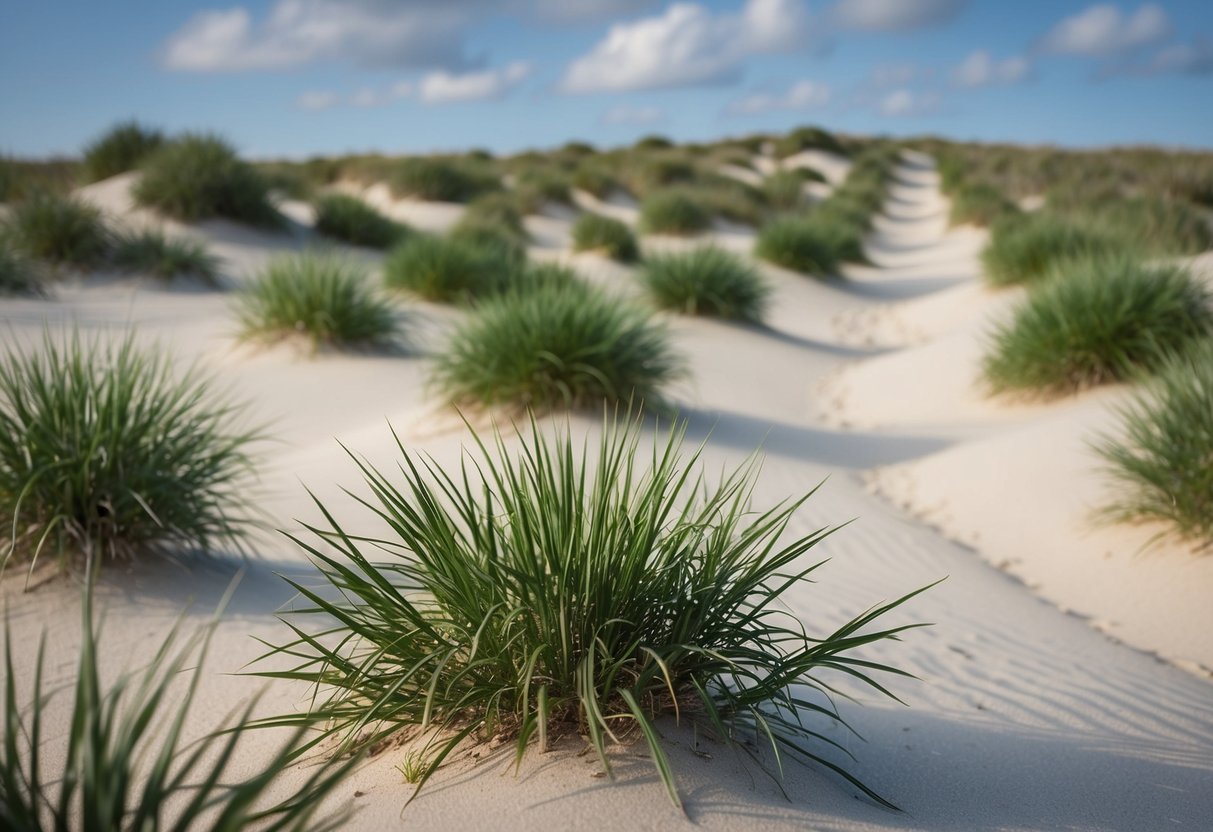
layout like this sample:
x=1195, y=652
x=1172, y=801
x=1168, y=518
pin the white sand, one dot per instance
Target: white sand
x=1026, y=717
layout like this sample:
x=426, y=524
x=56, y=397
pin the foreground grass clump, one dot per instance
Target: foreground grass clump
x=707, y=281
x=18, y=274
x=121, y=149
x=151, y=252
x=62, y=230
x=673, y=211
x=325, y=298
x=349, y=219
x=448, y=270
x=564, y=588
x=445, y=180
x=808, y=244
x=1160, y=461
x=126, y=760
x=197, y=177
x=1098, y=320
x=1022, y=249
x=106, y=450
x=594, y=232
x=556, y=346
x=980, y=204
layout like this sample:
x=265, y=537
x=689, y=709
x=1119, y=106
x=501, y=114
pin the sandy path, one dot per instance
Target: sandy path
x=1024, y=718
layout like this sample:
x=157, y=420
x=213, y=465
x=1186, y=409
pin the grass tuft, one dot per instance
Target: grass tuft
x=122, y=148
x=349, y=219
x=324, y=297
x=556, y=346
x=673, y=211
x=565, y=587
x=1024, y=248
x=1160, y=461
x=448, y=270
x=444, y=180
x=61, y=230
x=980, y=204
x=106, y=450
x=1097, y=320
x=707, y=281
x=19, y=275
x=806, y=244
x=607, y=235
x=151, y=252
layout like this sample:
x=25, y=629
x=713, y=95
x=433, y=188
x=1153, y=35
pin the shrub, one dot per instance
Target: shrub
x=1023, y=249
x=1160, y=463
x=18, y=274
x=151, y=252
x=649, y=172
x=594, y=232
x=595, y=178
x=539, y=186
x=556, y=346
x=125, y=763
x=497, y=211
x=653, y=142
x=810, y=245
x=323, y=297
x=170, y=472
x=808, y=138
x=197, y=177
x=980, y=204
x=123, y=148
x=351, y=220
x=706, y=281
x=1097, y=320
x=548, y=592
x=445, y=180
x=448, y=270
x=784, y=189
x=58, y=229
x=673, y=212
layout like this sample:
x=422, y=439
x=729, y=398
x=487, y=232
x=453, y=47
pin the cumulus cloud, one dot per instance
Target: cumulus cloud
x=688, y=45
x=1103, y=31
x=298, y=32
x=981, y=69
x=894, y=15
x=627, y=114
x=442, y=87
x=317, y=100
x=904, y=102
x=802, y=95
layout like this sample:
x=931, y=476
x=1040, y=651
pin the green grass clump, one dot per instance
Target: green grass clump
x=808, y=138
x=594, y=232
x=809, y=244
x=707, y=281
x=18, y=274
x=1160, y=461
x=594, y=177
x=572, y=587
x=538, y=186
x=673, y=211
x=323, y=297
x=1023, y=249
x=444, y=180
x=349, y=219
x=1097, y=320
x=121, y=149
x=494, y=220
x=151, y=252
x=980, y=204
x=106, y=450
x=1159, y=226
x=448, y=270
x=197, y=177
x=62, y=230
x=124, y=758
x=556, y=346
x=784, y=189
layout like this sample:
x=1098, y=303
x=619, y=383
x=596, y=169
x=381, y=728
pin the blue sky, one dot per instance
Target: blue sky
x=297, y=77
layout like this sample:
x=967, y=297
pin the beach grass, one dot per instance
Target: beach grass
x=674, y=211
x=980, y=204
x=19, y=275
x=1023, y=249
x=59, y=230
x=121, y=148
x=152, y=252
x=350, y=220
x=442, y=179
x=805, y=244
x=448, y=270
x=707, y=281
x=607, y=235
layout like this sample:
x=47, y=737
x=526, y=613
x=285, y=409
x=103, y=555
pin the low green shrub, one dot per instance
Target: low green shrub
x=808, y=138
x=706, y=281
x=1159, y=460
x=562, y=588
x=171, y=472
x=448, y=270
x=785, y=189
x=674, y=211
x=809, y=244
x=1022, y=249
x=62, y=230
x=556, y=346
x=151, y=252
x=349, y=219
x=444, y=180
x=197, y=177
x=1097, y=320
x=323, y=297
x=122, y=148
x=537, y=187
x=594, y=232
x=594, y=177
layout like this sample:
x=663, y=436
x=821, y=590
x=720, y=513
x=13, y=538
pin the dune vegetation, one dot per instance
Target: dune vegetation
x=350, y=220
x=152, y=252
x=606, y=235
x=59, y=230
x=442, y=179
x=1024, y=249
x=122, y=148
x=674, y=211
x=571, y=589
x=174, y=463
x=19, y=275
x=448, y=270
x=706, y=281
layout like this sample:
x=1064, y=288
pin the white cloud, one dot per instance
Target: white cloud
x=627, y=114
x=981, y=69
x=298, y=32
x=894, y=15
x=442, y=87
x=1102, y=31
x=1195, y=58
x=687, y=45
x=575, y=11
x=317, y=100
x=367, y=97
x=905, y=102
x=802, y=95
x=898, y=74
